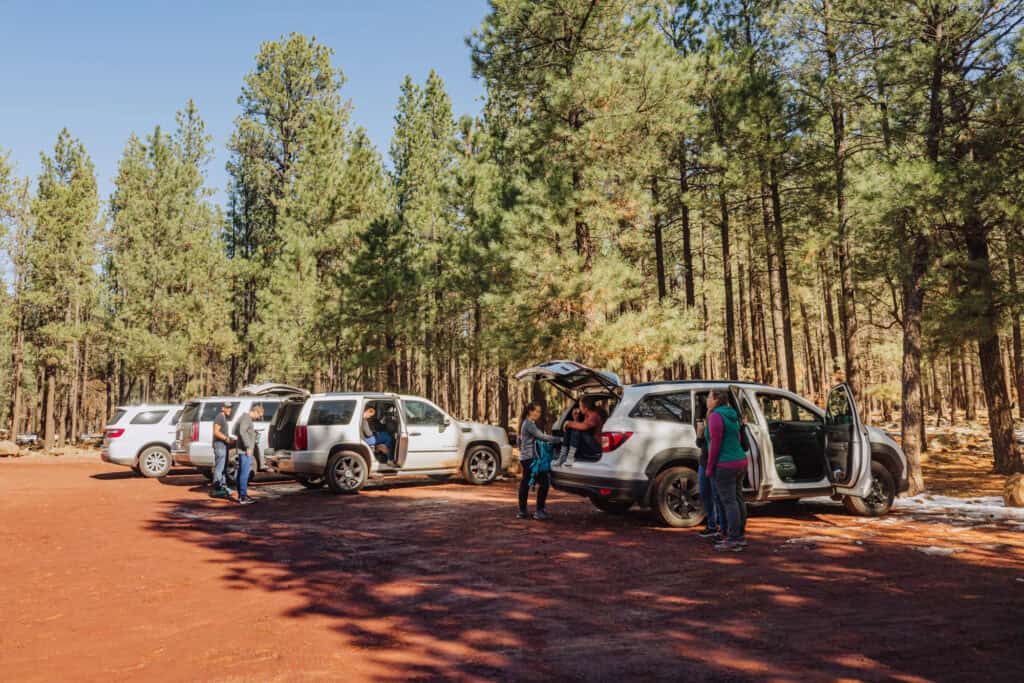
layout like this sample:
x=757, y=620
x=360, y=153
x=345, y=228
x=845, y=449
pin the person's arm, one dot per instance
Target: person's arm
x=217, y=433
x=537, y=433
x=588, y=423
x=716, y=427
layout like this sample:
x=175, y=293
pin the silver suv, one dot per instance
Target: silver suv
x=650, y=453
x=193, y=445
x=140, y=437
x=318, y=440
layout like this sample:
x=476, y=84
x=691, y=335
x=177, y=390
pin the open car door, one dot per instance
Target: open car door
x=756, y=483
x=571, y=378
x=847, y=448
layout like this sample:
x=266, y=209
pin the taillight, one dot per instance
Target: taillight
x=114, y=433
x=195, y=431
x=612, y=440
x=301, y=438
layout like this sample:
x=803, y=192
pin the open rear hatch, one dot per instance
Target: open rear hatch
x=572, y=379
x=272, y=389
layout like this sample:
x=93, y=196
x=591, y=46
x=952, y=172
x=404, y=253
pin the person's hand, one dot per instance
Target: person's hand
x=248, y=451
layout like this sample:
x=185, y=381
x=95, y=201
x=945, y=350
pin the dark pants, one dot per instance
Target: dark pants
x=707, y=497
x=543, y=481
x=583, y=442
x=727, y=488
x=245, y=464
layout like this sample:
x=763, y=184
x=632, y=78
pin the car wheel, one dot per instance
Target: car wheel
x=206, y=472
x=879, y=500
x=311, y=482
x=677, y=498
x=136, y=470
x=155, y=462
x=482, y=465
x=613, y=507
x=346, y=472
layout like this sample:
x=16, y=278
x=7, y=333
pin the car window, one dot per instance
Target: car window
x=665, y=407
x=190, y=413
x=116, y=417
x=839, y=412
x=176, y=417
x=212, y=409
x=148, y=417
x=329, y=413
x=269, y=410
x=783, y=409
x=422, y=414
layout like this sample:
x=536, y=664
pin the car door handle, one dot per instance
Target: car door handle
x=415, y=433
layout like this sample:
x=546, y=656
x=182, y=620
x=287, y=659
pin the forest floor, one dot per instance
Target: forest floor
x=107, y=575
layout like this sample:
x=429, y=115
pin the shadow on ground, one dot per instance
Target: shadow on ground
x=439, y=581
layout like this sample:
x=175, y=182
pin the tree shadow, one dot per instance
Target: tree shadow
x=440, y=582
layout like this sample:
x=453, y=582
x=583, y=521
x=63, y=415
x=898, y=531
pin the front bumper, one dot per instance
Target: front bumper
x=506, y=456
x=599, y=487
x=310, y=463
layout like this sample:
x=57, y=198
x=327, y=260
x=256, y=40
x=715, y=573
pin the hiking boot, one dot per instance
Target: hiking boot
x=708, y=533
x=540, y=515
x=246, y=500
x=220, y=493
x=742, y=542
x=522, y=515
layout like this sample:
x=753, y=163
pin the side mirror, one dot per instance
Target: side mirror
x=445, y=423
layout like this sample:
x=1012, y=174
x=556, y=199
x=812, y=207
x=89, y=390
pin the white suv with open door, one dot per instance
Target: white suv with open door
x=318, y=440
x=140, y=437
x=193, y=446
x=650, y=452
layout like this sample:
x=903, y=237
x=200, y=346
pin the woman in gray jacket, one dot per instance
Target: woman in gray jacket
x=529, y=435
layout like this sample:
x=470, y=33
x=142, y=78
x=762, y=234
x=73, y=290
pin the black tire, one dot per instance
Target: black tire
x=879, y=501
x=311, y=482
x=347, y=472
x=612, y=507
x=206, y=472
x=481, y=465
x=136, y=470
x=154, y=462
x=676, y=501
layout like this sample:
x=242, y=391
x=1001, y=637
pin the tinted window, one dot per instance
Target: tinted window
x=328, y=413
x=422, y=414
x=177, y=416
x=783, y=409
x=116, y=417
x=667, y=407
x=148, y=417
x=211, y=410
x=190, y=413
x=838, y=411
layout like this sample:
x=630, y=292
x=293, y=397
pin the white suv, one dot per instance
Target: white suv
x=193, y=445
x=318, y=440
x=140, y=437
x=650, y=453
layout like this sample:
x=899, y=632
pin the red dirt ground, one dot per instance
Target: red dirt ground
x=104, y=575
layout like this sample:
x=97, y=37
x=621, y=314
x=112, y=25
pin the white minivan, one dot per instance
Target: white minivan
x=141, y=437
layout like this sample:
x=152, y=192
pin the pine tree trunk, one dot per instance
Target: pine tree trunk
x=780, y=258
x=1016, y=345
x=705, y=369
x=503, y=395
x=913, y=309
x=780, y=370
x=730, y=315
x=830, y=319
x=684, y=209
x=50, y=428
x=17, y=365
x=997, y=400
x=745, y=351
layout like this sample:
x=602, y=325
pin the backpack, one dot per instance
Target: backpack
x=541, y=462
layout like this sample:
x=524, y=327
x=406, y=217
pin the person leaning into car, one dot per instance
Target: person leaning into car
x=727, y=462
x=245, y=430
x=221, y=442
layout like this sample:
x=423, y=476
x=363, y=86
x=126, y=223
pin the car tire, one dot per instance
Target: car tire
x=311, y=482
x=346, y=472
x=481, y=465
x=154, y=462
x=880, y=500
x=612, y=507
x=676, y=500
x=136, y=470
x=206, y=472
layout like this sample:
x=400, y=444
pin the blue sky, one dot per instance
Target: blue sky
x=105, y=69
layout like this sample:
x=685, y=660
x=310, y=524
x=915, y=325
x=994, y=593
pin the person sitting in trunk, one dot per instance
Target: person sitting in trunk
x=379, y=441
x=581, y=435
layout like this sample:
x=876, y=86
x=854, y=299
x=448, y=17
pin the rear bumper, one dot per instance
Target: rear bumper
x=297, y=462
x=180, y=457
x=116, y=458
x=599, y=487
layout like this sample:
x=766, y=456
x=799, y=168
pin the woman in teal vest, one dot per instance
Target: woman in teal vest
x=727, y=462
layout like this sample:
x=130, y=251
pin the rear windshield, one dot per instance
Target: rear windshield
x=116, y=417
x=190, y=413
x=332, y=413
x=177, y=416
x=149, y=417
x=212, y=409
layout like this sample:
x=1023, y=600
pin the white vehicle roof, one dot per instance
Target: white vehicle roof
x=151, y=406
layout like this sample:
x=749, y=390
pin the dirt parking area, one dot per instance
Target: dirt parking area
x=104, y=575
